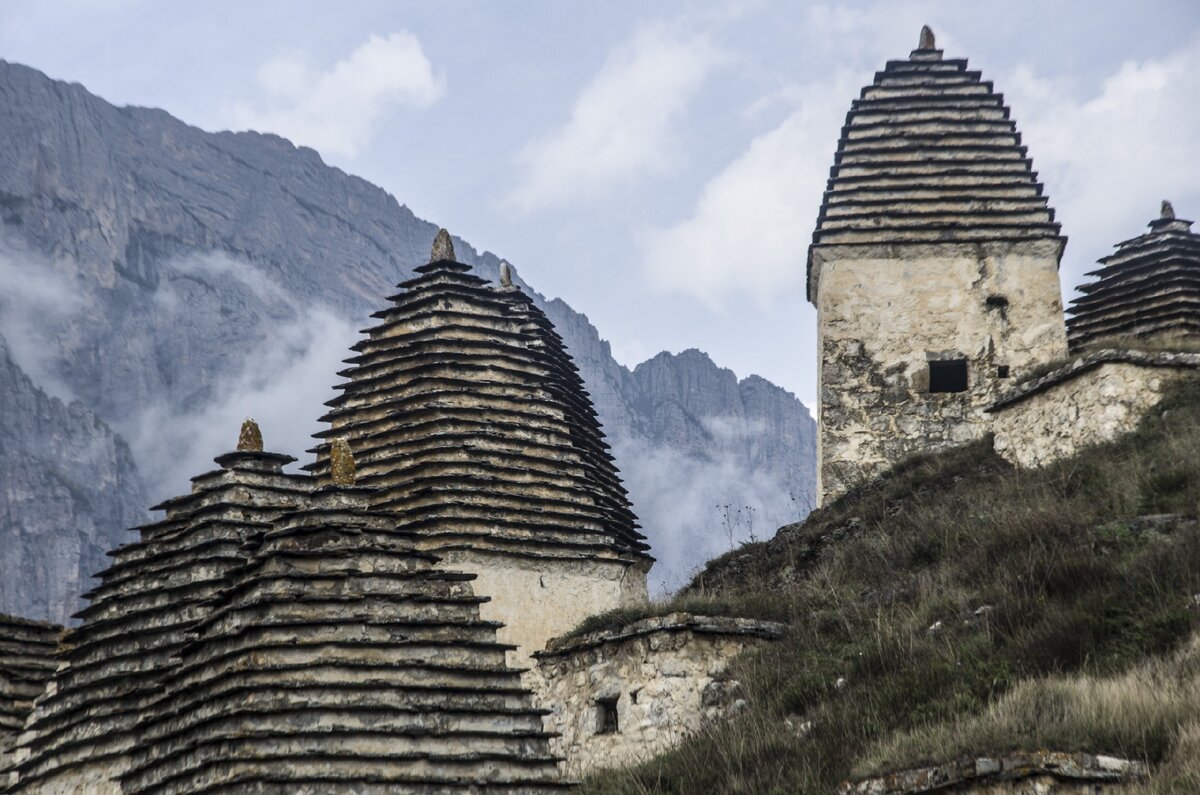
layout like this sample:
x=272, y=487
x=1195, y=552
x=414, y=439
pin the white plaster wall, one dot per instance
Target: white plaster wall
x=1094, y=406
x=883, y=313
x=541, y=598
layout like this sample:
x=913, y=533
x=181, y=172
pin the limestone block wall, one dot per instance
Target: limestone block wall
x=886, y=312
x=539, y=598
x=1092, y=400
x=620, y=696
x=1033, y=773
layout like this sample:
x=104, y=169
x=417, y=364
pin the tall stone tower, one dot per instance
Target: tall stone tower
x=933, y=267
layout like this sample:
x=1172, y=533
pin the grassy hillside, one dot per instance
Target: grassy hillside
x=961, y=606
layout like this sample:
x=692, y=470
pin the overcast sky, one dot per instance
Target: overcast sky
x=657, y=165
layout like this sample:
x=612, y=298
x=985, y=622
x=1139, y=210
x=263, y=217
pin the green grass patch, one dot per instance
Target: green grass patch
x=1035, y=576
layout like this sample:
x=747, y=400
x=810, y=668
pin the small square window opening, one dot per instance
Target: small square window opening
x=948, y=376
x=606, y=716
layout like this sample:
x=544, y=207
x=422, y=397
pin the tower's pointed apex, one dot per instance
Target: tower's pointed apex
x=505, y=273
x=926, y=42
x=1168, y=211
x=443, y=247
x=250, y=438
x=341, y=463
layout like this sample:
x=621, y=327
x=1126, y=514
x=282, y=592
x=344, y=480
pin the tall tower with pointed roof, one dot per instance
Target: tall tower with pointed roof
x=469, y=421
x=933, y=268
x=1148, y=288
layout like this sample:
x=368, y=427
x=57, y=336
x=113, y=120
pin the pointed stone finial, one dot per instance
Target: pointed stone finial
x=505, y=273
x=341, y=463
x=250, y=439
x=1168, y=211
x=443, y=247
x=926, y=42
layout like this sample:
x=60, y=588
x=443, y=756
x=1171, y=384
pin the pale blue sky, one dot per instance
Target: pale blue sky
x=659, y=165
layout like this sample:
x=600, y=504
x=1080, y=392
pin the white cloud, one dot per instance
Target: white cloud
x=1110, y=152
x=282, y=385
x=752, y=222
x=622, y=124
x=336, y=111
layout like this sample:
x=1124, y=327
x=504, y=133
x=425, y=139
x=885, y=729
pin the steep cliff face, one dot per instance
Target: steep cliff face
x=173, y=280
x=68, y=485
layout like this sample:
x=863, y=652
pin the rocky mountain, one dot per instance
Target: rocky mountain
x=68, y=487
x=171, y=281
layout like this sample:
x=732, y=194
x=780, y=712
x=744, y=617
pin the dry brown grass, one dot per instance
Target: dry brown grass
x=1033, y=575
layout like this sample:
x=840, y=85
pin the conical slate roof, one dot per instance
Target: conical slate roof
x=929, y=154
x=469, y=419
x=340, y=659
x=154, y=593
x=1149, y=287
x=26, y=663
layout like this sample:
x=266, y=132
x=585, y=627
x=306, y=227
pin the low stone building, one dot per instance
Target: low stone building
x=366, y=627
x=1148, y=290
x=1093, y=399
x=623, y=695
x=933, y=268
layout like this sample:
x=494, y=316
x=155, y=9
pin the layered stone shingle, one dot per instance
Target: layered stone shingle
x=930, y=154
x=140, y=615
x=1148, y=288
x=340, y=659
x=467, y=417
x=26, y=664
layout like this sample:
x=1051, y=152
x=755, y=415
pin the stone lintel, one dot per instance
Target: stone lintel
x=819, y=254
x=673, y=622
x=952, y=776
x=1082, y=364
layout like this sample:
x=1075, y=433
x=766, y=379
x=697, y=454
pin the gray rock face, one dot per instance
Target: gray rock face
x=68, y=486
x=212, y=275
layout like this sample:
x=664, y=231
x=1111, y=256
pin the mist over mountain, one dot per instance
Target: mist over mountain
x=161, y=282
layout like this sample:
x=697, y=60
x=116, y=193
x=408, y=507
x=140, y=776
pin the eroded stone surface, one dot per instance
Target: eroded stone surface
x=660, y=678
x=1035, y=773
x=1093, y=399
x=935, y=243
x=1149, y=288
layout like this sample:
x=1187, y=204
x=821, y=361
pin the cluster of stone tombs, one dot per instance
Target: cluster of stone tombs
x=388, y=619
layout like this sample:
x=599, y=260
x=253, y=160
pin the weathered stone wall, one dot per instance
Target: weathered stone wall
x=1034, y=773
x=886, y=312
x=664, y=677
x=541, y=598
x=1092, y=400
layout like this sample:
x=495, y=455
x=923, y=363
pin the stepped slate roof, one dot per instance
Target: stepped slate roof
x=340, y=659
x=140, y=614
x=469, y=419
x=26, y=663
x=265, y=635
x=1149, y=287
x=930, y=154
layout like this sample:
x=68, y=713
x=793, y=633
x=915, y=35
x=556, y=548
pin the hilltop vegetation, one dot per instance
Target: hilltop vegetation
x=960, y=606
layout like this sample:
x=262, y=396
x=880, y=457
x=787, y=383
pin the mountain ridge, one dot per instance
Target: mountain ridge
x=205, y=276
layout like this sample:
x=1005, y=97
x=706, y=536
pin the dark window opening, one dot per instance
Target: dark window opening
x=633, y=694
x=997, y=302
x=606, y=716
x=948, y=376
x=1002, y=371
